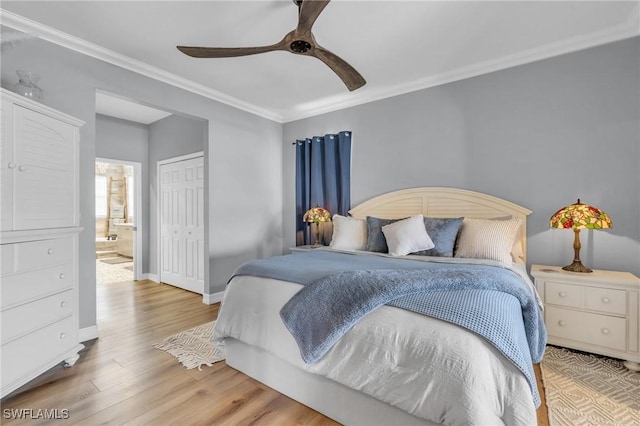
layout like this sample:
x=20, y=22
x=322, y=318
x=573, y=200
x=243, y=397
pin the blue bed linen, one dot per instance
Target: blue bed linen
x=340, y=289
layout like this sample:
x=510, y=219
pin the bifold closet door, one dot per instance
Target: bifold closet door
x=182, y=224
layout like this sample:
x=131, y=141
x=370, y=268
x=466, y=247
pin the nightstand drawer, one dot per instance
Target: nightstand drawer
x=586, y=327
x=606, y=300
x=562, y=294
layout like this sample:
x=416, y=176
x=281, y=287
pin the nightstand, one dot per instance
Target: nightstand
x=594, y=312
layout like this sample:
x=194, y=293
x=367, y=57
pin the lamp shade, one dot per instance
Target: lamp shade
x=317, y=214
x=580, y=216
x=576, y=217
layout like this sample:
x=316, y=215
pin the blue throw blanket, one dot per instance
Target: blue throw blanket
x=340, y=289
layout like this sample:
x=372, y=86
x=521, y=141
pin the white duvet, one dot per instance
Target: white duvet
x=430, y=368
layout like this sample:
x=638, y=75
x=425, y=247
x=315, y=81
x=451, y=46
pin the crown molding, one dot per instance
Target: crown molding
x=84, y=47
x=629, y=28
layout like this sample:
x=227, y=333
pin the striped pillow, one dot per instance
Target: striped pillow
x=487, y=239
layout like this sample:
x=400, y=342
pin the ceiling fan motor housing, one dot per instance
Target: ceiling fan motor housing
x=300, y=46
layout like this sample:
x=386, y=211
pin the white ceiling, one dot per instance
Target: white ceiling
x=398, y=46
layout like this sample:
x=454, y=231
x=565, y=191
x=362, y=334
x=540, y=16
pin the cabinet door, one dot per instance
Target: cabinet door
x=8, y=165
x=46, y=183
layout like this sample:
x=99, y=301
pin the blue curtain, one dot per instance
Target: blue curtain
x=323, y=177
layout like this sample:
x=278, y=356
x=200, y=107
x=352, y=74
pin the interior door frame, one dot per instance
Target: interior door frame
x=191, y=156
x=137, y=208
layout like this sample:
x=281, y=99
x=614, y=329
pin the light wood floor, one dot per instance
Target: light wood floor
x=121, y=379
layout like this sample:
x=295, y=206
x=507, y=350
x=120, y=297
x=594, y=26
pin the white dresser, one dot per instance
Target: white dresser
x=594, y=312
x=39, y=227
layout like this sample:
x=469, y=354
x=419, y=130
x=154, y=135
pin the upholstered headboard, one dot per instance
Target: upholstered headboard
x=442, y=202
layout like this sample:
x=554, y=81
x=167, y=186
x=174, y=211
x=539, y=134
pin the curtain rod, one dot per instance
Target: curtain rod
x=296, y=142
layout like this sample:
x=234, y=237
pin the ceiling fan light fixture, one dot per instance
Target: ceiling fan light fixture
x=299, y=41
x=300, y=46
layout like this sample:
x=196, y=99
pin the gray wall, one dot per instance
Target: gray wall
x=124, y=140
x=243, y=157
x=540, y=135
x=170, y=137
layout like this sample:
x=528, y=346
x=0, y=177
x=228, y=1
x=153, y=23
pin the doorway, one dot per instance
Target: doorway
x=118, y=200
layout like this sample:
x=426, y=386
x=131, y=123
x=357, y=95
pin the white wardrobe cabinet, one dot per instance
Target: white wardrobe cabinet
x=38, y=240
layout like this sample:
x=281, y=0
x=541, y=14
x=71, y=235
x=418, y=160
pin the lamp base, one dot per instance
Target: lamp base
x=576, y=266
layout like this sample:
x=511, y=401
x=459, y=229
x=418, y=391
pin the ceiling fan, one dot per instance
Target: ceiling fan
x=299, y=41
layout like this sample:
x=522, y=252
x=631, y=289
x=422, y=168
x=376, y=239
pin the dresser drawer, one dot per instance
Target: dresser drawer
x=31, y=316
x=19, y=288
x=561, y=294
x=30, y=255
x=20, y=356
x=586, y=327
x=606, y=300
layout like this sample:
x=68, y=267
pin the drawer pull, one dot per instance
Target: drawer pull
x=561, y=323
x=605, y=300
x=50, y=251
x=605, y=331
x=63, y=304
x=22, y=168
x=62, y=336
x=61, y=276
x=11, y=165
x=562, y=294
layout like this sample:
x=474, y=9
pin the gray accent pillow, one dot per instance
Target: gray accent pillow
x=376, y=240
x=443, y=232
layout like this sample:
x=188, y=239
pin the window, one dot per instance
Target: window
x=101, y=196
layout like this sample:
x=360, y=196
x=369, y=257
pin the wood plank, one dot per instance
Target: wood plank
x=121, y=379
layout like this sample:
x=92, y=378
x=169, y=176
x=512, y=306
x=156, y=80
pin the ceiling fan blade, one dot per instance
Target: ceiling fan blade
x=350, y=77
x=227, y=52
x=309, y=12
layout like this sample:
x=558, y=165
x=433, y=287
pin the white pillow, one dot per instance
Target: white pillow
x=407, y=236
x=517, y=251
x=349, y=233
x=487, y=239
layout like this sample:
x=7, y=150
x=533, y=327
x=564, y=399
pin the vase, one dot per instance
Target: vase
x=27, y=85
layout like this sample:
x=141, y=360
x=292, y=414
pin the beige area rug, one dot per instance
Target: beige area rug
x=583, y=389
x=193, y=347
x=113, y=273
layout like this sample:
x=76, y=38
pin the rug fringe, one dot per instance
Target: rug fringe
x=193, y=348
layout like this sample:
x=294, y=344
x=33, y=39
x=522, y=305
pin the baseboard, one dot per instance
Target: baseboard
x=151, y=277
x=210, y=299
x=88, y=333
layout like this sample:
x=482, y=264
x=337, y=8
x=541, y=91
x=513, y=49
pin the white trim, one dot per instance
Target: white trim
x=151, y=277
x=76, y=44
x=629, y=28
x=88, y=333
x=210, y=299
x=180, y=158
x=137, y=208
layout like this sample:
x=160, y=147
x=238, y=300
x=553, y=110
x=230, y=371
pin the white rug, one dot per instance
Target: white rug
x=583, y=389
x=193, y=347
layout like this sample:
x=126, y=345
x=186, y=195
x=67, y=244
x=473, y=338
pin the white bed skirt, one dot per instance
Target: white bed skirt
x=344, y=405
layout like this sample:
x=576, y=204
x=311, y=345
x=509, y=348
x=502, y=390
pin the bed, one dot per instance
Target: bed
x=393, y=365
